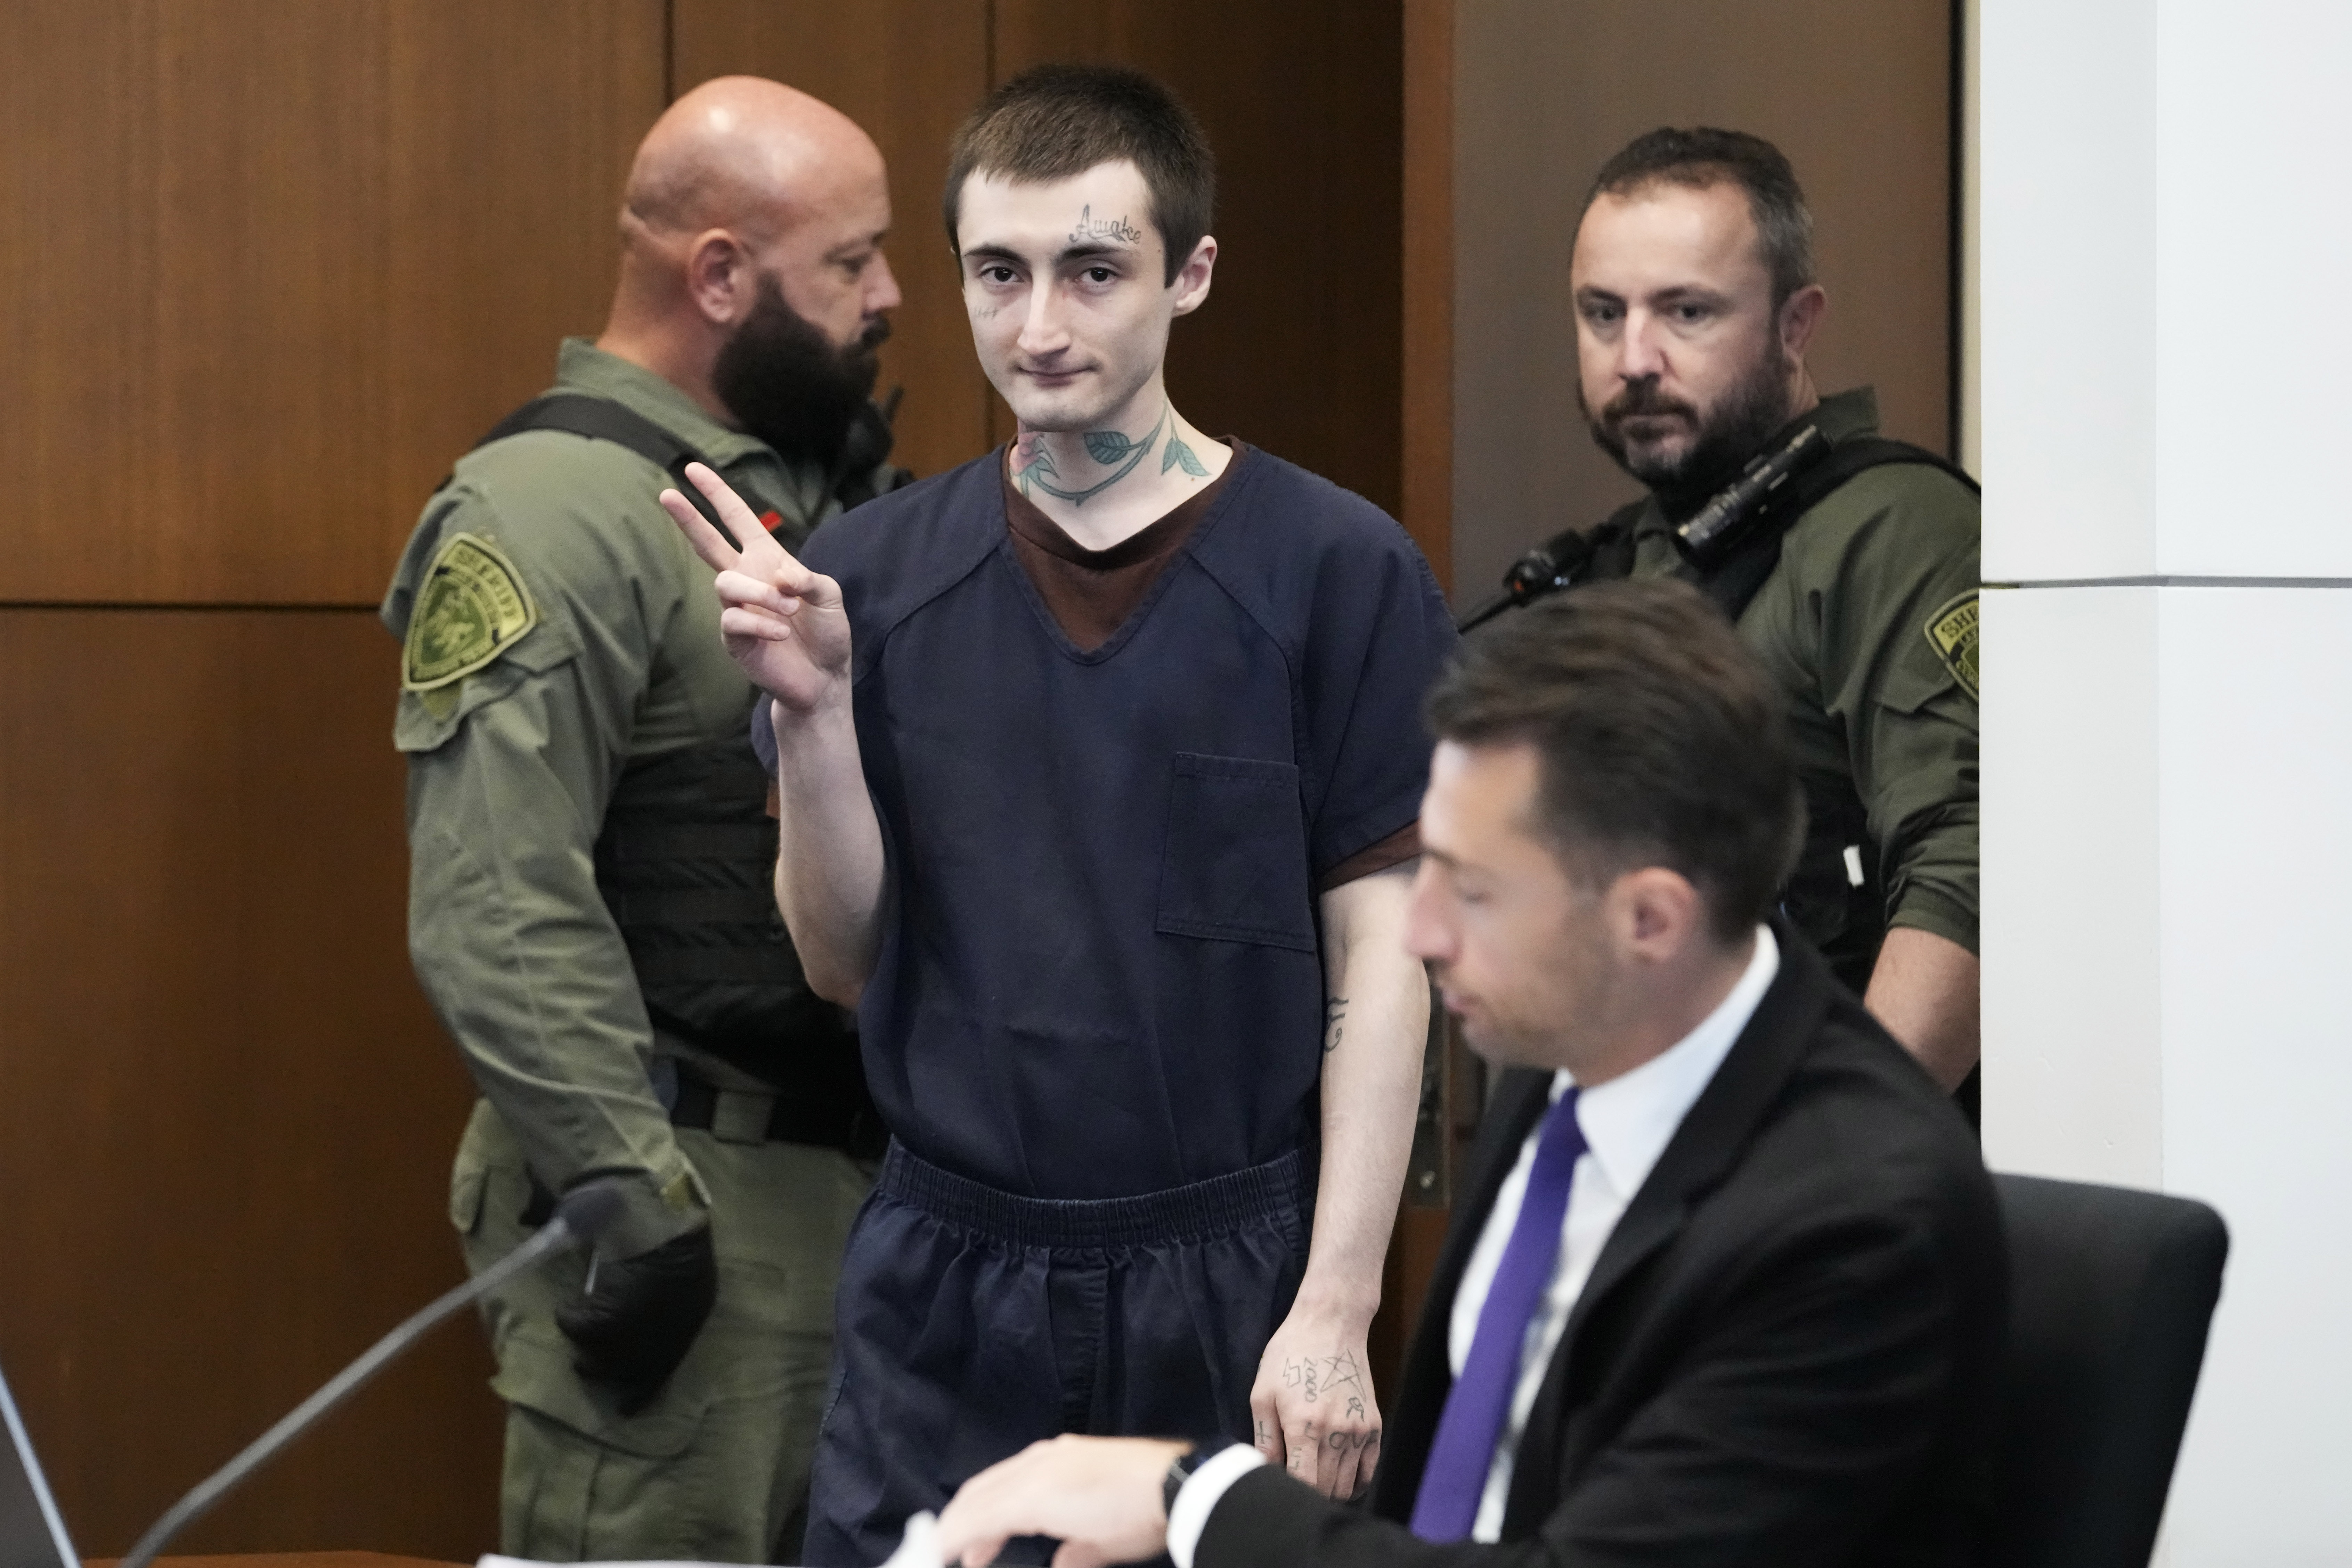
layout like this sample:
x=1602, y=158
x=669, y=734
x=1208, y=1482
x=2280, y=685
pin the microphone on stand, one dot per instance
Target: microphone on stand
x=580, y=1217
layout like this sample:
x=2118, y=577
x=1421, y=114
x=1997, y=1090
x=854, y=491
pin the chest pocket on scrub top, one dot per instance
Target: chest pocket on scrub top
x=1233, y=866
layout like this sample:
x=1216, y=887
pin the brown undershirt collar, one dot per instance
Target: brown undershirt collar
x=1091, y=592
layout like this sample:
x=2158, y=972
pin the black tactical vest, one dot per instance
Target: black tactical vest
x=1842, y=916
x=686, y=861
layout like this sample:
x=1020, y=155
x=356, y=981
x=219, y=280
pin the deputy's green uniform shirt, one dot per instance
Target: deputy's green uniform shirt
x=561, y=651
x=1868, y=622
x=596, y=636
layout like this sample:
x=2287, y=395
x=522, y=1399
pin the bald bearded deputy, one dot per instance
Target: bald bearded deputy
x=589, y=904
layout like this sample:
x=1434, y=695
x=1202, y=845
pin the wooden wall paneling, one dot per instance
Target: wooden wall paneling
x=908, y=71
x=1299, y=349
x=226, y=1113
x=1427, y=371
x=1426, y=424
x=1856, y=93
x=272, y=267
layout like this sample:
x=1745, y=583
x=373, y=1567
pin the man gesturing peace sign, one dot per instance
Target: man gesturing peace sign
x=786, y=625
x=1098, y=762
x=783, y=624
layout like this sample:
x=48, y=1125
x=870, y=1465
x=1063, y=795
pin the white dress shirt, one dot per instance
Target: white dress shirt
x=1627, y=1122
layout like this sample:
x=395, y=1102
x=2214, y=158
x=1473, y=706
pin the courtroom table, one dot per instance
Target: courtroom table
x=285, y=1560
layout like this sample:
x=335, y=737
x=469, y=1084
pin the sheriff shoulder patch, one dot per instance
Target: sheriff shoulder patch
x=472, y=608
x=1952, y=630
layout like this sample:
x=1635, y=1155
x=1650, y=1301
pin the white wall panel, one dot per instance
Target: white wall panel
x=2162, y=245
x=2168, y=947
x=2168, y=853
x=2253, y=244
x=2255, y=727
x=2072, y=1079
x=2068, y=101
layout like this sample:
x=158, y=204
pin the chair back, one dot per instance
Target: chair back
x=2111, y=1292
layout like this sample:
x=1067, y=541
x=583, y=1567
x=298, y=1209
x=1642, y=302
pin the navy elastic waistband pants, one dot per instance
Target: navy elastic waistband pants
x=971, y=1322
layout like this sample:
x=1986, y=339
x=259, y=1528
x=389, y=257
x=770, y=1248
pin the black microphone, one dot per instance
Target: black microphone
x=583, y=1214
x=1545, y=570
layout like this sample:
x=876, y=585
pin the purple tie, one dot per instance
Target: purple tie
x=1472, y=1422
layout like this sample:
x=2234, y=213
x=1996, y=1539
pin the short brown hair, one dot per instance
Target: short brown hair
x=1055, y=122
x=1662, y=740
x=1705, y=156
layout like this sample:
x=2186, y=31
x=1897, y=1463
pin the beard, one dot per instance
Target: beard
x=1724, y=437
x=788, y=385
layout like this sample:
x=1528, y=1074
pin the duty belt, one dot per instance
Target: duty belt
x=790, y=1120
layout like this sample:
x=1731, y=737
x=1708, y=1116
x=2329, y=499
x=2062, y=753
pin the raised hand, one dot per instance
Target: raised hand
x=783, y=624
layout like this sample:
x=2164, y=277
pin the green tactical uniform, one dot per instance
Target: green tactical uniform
x=1868, y=622
x=567, y=701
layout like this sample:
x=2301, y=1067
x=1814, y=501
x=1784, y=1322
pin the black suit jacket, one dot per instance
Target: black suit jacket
x=1785, y=1353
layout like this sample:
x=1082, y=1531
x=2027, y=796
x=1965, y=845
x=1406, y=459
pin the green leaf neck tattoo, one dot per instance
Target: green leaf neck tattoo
x=1040, y=467
x=1180, y=455
x=1108, y=446
x=1105, y=446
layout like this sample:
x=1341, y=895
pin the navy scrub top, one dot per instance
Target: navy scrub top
x=1098, y=974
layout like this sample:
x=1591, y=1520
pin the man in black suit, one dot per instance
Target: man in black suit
x=1727, y=1285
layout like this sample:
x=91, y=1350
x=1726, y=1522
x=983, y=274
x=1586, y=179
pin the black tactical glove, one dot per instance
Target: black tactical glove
x=640, y=1317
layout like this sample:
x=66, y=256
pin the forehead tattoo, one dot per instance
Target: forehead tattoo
x=1090, y=227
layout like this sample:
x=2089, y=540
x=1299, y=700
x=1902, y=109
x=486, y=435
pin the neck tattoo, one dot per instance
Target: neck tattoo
x=1105, y=447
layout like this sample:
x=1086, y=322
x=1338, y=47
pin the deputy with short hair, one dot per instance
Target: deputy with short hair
x=1855, y=578
x=590, y=855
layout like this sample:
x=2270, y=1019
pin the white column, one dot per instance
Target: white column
x=2166, y=260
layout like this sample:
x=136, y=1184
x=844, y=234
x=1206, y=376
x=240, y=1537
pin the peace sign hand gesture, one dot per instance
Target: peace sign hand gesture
x=784, y=624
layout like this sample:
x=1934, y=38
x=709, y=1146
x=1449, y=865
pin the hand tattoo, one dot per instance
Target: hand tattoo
x=1342, y=1372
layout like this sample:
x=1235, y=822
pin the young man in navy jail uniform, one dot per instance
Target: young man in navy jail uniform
x=1098, y=762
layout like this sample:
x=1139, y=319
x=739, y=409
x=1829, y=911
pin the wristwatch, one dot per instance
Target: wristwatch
x=1180, y=1471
